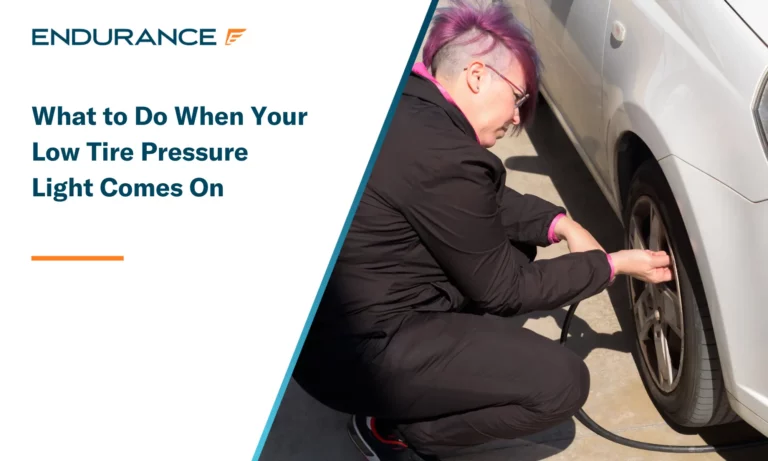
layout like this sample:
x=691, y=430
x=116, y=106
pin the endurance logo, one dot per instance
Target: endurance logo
x=232, y=35
x=130, y=37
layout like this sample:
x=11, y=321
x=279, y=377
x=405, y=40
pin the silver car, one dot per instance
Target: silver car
x=666, y=103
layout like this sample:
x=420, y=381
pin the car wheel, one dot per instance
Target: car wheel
x=675, y=346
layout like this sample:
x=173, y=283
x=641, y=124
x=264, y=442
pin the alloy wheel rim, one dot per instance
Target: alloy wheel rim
x=657, y=308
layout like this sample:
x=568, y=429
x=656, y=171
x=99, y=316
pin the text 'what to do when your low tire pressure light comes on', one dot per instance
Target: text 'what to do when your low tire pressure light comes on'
x=102, y=151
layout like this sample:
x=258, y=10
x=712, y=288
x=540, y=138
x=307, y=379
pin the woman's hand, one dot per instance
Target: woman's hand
x=578, y=239
x=646, y=265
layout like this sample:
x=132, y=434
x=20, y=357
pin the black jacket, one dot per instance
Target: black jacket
x=432, y=232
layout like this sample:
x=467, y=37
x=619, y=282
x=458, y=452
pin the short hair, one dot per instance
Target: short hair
x=462, y=31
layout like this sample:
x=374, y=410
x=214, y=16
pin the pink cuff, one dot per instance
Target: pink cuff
x=551, y=234
x=613, y=268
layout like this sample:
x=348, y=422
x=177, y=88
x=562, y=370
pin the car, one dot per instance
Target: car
x=666, y=103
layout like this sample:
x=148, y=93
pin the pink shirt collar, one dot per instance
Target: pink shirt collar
x=420, y=69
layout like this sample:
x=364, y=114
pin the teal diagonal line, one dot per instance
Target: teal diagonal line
x=347, y=223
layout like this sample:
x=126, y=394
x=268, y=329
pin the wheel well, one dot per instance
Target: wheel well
x=631, y=152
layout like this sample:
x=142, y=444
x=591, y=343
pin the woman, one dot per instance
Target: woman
x=413, y=335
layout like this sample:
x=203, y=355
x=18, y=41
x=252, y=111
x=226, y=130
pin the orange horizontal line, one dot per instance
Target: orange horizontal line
x=77, y=258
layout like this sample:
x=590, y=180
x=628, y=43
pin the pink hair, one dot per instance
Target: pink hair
x=495, y=22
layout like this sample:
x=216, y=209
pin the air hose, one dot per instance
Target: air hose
x=601, y=431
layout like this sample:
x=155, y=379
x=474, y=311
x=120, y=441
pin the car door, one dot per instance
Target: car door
x=519, y=9
x=571, y=36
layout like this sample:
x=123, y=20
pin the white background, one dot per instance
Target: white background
x=178, y=352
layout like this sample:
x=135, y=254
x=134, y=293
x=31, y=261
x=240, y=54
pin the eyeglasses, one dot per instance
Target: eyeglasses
x=519, y=100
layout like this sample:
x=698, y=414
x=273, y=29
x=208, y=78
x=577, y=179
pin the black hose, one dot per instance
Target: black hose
x=599, y=430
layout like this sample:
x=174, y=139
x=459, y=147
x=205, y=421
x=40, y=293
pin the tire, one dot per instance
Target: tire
x=698, y=397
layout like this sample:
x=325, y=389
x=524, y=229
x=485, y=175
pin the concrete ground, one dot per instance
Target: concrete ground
x=542, y=162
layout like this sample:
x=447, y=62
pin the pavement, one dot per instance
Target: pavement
x=542, y=161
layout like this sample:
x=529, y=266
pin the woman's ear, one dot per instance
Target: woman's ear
x=474, y=76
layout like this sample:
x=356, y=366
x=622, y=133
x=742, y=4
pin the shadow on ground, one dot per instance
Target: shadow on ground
x=532, y=448
x=306, y=430
x=557, y=159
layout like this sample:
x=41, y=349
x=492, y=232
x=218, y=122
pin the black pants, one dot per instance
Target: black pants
x=450, y=380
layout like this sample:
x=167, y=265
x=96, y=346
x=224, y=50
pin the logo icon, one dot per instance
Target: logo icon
x=232, y=35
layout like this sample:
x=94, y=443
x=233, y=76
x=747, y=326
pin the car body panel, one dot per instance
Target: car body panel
x=520, y=10
x=748, y=415
x=692, y=70
x=570, y=35
x=755, y=14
